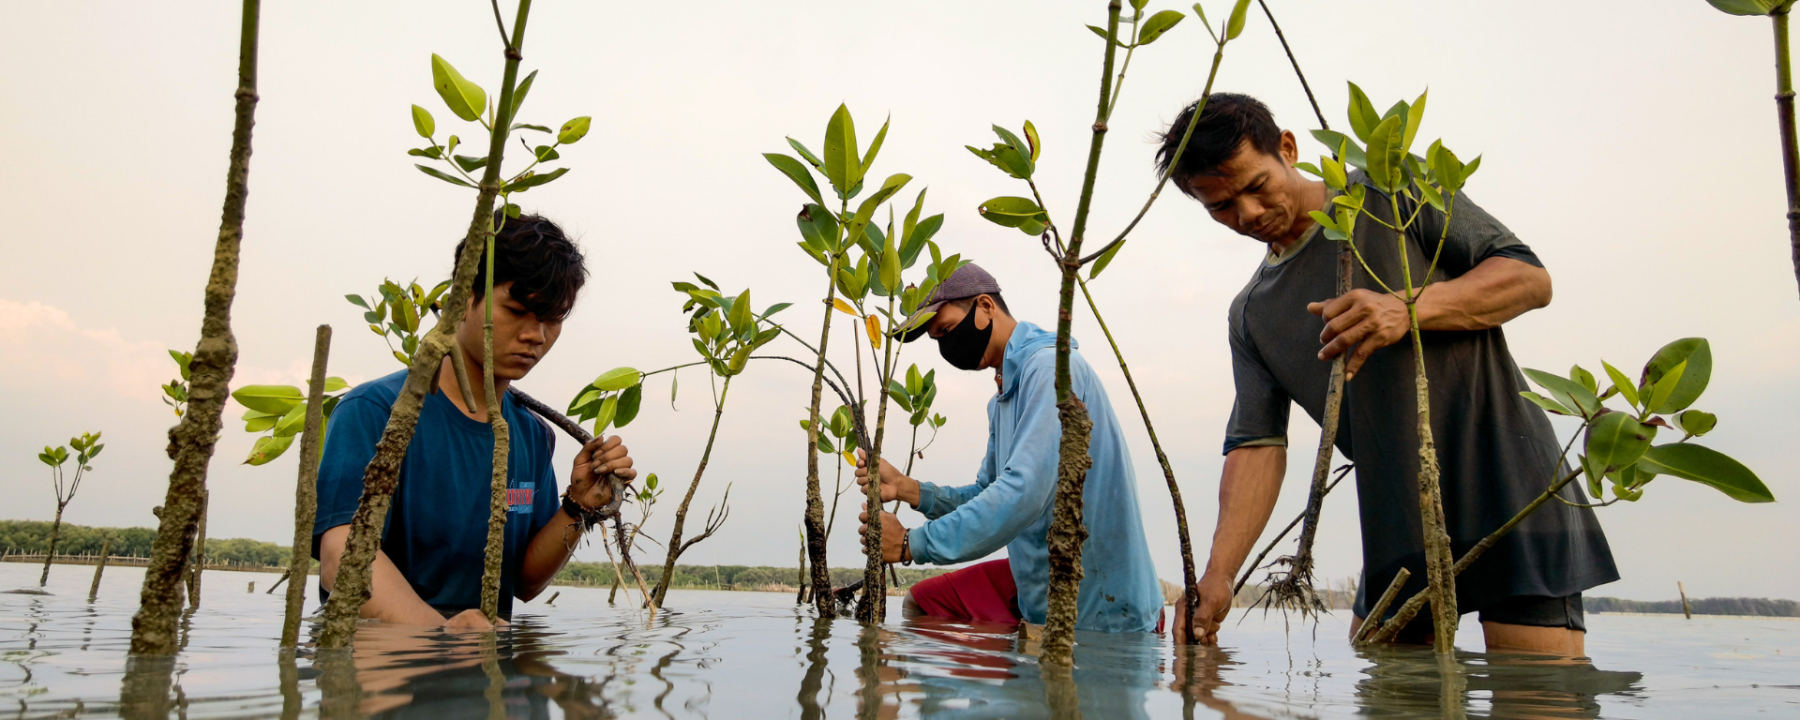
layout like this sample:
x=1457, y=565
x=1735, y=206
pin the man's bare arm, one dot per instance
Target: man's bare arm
x=391, y=597
x=1247, y=494
x=549, y=550
x=1489, y=295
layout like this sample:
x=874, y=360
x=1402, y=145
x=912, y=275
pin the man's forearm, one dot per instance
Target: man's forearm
x=391, y=597
x=549, y=550
x=1247, y=494
x=1494, y=292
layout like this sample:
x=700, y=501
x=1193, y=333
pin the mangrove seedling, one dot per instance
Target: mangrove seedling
x=469, y=102
x=1777, y=11
x=306, y=487
x=394, y=313
x=1619, y=455
x=1397, y=175
x=208, y=374
x=828, y=237
x=175, y=392
x=280, y=412
x=1018, y=158
x=87, y=447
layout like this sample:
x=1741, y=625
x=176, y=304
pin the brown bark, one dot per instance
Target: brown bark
x=50, y=551
x=381, y=478
x=99, y=568
x=494, y=557
x=676, y=547
x=1438, y=561
x=306, y=489
x=191, y=442
x=824, y=601
x=198, y=563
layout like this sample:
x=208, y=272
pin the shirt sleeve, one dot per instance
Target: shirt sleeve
x=350, y=438
x=936, y=501
x=548, y=497
x=1017, y=495
x=1474, y=237
x=1259, y=415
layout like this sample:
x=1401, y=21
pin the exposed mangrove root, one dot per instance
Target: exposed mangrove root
x=352, y=586
x=1431, y=510
x=306, y=489
x=191, y=442
x=1254, y=565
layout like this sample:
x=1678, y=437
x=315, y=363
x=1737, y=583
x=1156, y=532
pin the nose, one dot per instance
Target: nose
x=532, y=333
x=1249, y=211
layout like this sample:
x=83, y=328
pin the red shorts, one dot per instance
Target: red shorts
x=983, y=592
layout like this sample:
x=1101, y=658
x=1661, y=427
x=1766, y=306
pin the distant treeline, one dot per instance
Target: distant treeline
x=1761, y=607
x=31, y=537
x=725, y=577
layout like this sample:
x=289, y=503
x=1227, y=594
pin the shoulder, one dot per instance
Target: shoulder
x=528, y=425
x=373, y=398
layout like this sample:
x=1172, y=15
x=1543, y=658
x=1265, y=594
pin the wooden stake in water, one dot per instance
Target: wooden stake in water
x=306, y=492
x=99, y=567
x=553, y=597
x=1685, y=610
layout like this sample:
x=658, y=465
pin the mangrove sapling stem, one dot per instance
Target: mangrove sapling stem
x=55, y=529
x=99, y=567
x=1432, y=525
x=192, y=441
x=1191, y=603
x=1784, y=115
x=198, y=563
x=1067, y=533
x=823, y=601
x=1244, y=579
x=1413, y=604
x=1373, y=621
x=872, y=608
x=502, y=432
x=306, y=491
x=380, y=479
x=676, y=547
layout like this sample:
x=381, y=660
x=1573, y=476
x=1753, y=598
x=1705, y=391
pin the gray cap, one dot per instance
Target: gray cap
x=967, y=282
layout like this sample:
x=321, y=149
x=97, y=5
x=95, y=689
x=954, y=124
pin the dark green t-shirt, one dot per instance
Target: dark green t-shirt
x=1496, y=450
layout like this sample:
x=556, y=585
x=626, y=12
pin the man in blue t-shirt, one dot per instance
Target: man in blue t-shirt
x=428, y=569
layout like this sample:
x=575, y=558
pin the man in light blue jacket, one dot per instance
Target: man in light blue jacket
x=1009, y=506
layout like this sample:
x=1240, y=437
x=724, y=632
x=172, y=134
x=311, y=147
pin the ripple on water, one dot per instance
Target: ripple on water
x=729, y=655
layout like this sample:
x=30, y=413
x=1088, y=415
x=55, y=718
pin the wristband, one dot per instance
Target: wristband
x=587, y=518
x=906, y=548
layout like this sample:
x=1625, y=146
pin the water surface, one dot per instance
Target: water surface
x=740, y=654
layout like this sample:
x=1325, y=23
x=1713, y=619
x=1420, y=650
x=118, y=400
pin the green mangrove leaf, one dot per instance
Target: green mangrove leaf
x=617, y=379
x=841, y=160
x=1415, y=115
x=1010, y=211
x=866, y=211
x=1106, y=259
x=629, y=401
x=261, y=422
x=1581, y=375
x=1546, y=403
x=267, y=449
x=1569, y=393
x=1102, y=33
x=469, y=163
x=1622, y=383
x=534, y=179
x=1346, y=148
x=444, y=176
x=609, y=409
x=1363, y=118
x=1616, y=440
x=868, y=159
x=806, y=155
x=272, y=399
x=293, y=422
x=423, y=123
x=1235, y=26
x=574, y=130
x=1707, y=466
x=519, y=93
x=1745, y=7
x=1385, y=155
x=1696, y=422
x=797, y=173
x=1154, y=27
x=1697, y=354
x=464, y=98
x=1659, y=394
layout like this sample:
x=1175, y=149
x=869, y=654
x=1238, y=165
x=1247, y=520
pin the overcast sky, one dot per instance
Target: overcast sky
x=1635, y=151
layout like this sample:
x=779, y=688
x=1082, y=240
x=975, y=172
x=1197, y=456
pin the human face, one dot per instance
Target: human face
x=520, y=338
x=951, y=315
x=1260, y=195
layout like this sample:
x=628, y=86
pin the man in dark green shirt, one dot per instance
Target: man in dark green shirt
x=1496, y=450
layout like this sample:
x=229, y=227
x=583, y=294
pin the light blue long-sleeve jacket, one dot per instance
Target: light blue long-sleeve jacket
x=1011, y=501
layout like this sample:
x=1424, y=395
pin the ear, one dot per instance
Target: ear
x=1290, y=148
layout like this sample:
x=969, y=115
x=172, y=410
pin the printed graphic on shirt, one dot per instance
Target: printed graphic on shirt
x=518, y=499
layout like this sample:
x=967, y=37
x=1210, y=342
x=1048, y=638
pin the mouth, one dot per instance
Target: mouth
x=525, y=358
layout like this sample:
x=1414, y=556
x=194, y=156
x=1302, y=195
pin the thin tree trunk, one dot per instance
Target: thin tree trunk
x=872, y=608
x=497, y=506
x=50, y=552
x=824, y=601
x=1784, y=115
x=306, y=489
x=191, y=442
x=1067, y=533
x=198, y=563
x=675, y=546
x=352, y=586
x=99, y=568
x=1438, y=557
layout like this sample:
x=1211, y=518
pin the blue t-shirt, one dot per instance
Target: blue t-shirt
x=436, y=530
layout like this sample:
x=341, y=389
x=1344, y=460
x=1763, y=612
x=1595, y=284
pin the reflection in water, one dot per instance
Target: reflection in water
x=730, y=655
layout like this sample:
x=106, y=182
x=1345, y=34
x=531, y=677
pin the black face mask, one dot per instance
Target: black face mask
x=965, y=344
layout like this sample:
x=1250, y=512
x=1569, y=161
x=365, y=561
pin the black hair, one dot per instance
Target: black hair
x=969, y=302
x=1230, y=120
x=546, y=269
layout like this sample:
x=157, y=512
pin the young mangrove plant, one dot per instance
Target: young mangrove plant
x=394, y=311
x=87, y=447
x=175, y=392
x=828, y=237
x=306, y=488
x=1397, y=175
x=1018, y=159
x=1777, y=11
x=214, y=358
x=1618, y=453
x=838, y=440
x=469, y=102
x=280, y=411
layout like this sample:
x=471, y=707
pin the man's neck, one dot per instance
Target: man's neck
x=1003, y=330
x=1311, y=197
x=477, y=387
